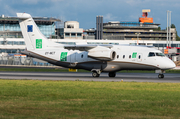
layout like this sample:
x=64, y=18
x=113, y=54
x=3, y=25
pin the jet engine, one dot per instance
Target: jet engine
x=102, y=53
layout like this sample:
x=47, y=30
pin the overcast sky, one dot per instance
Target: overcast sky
x=85, y=11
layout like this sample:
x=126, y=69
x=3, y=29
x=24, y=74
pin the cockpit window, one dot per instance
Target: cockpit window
x=160, y=54
x=151, y=54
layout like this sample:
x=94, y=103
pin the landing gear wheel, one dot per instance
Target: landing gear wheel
x=161, y=76
x=112, y=74
x=95, y=74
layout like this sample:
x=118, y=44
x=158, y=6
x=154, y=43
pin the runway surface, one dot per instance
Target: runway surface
x=126, y=77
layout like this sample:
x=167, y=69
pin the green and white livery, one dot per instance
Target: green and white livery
x=95, y=58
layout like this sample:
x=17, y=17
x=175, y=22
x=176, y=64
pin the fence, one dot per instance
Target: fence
x=25, y=61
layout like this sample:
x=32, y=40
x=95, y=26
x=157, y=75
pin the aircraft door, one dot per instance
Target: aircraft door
x=139, y=57
x=73, y=57
x=81, y=56
x=85, y=56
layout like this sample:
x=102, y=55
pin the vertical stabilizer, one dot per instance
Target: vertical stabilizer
x=34, y=39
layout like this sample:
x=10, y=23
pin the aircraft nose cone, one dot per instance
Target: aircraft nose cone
x=173, y=65
x=166, y=63
x=170, y=64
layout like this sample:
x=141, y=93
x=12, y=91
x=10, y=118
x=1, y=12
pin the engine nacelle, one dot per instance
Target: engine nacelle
x=102, y=53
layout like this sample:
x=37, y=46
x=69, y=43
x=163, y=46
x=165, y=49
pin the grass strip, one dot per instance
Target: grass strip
x=77, y=99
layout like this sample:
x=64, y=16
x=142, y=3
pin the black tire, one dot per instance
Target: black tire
x=161, y=76
x=95, y=74
x=112, y=74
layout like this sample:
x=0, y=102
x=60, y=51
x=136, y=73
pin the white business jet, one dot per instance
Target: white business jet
x=95, y=58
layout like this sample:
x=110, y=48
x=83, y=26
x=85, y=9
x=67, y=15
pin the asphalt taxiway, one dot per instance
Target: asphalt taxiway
x=126, y=77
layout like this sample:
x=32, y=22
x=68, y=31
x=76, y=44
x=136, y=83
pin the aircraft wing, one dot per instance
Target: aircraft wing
x=86, y=47
x=98, y=52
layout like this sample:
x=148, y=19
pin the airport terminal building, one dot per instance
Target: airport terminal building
x=117, y=30
x=114, y=32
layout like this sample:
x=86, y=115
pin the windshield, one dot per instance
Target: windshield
x=152, y=54
x=160, y=54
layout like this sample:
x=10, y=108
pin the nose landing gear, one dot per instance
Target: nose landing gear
x=160, y=72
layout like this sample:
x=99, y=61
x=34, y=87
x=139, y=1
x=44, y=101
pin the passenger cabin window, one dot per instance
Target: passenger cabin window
x=151, y=54
x=123, y=56
x=117, y=56
x=129, y=56
x=139, y=56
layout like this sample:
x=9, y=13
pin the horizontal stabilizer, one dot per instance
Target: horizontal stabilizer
x=23, y=15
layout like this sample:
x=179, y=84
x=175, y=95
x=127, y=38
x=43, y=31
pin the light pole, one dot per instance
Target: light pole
x=168, y=28
x=137, y=37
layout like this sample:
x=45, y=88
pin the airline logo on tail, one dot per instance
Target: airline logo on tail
x=29, y=28
x=38, y=43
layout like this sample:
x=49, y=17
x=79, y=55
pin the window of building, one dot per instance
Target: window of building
x=9, y=42
x=73, y=34
x=142, y=44
x=15, y=42
x=162, y=45
x=67, y=34
x=21, y=43
x=10, y=50
x=178, y=50
x=159, y=45
x=70, y=26
x=173, y=45
x=79, y=34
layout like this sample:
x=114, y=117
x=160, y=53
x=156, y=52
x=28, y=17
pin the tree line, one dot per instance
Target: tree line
x=177, y=37
x=172, y=26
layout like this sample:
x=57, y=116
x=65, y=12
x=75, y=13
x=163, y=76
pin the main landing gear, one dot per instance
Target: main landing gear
x=161, y=76
x=112, y=74
x=97, y=72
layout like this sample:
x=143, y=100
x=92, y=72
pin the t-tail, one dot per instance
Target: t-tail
x=34, y=39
